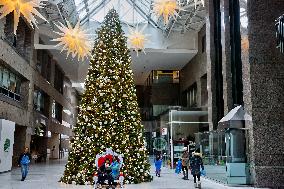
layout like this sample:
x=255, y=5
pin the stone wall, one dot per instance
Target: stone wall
x=194, y=70
x=23, y=113
x=263, y=84
x=164, y=94
x=265, y=97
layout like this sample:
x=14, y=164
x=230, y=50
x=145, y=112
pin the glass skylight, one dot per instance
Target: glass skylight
x=130, y=11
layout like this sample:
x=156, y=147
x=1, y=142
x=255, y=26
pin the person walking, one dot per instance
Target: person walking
x=185, y=163
x=178, y=167
x=158, y=165
x=24, y=161
x=196, y=164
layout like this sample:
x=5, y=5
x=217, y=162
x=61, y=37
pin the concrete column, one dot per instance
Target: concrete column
x=2, y=25
x=265, y=102
x=199, y=90
x=210, y=49
x=226, y=56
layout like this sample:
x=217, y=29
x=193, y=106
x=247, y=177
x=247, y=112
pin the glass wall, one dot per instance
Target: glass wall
x=44, y=63
x=192, y=96
x=57, y=111
x=165, y=76
x=10, y=83
x=58, y=79
x=213, y=148
x=22, y=41
x=41, y=101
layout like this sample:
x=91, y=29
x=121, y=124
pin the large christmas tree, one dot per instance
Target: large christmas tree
x=109, y=115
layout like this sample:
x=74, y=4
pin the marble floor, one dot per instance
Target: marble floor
x=45, y=176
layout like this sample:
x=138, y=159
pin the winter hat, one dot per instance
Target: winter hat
x=184, y=148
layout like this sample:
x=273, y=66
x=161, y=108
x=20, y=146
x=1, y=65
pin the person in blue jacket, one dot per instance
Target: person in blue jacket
x=24, y=162
x=196, y=164
x=158, y=165
x=178, y=167
x=115, y=168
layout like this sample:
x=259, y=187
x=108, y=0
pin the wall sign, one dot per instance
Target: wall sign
x=7, y=145
x=280, y=33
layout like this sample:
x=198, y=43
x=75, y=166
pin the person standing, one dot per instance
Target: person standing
x=185, y=163
x=24, y=161
x=196, y=164
x=115, y=166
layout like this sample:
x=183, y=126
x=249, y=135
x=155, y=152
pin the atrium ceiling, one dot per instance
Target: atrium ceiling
x=170, y=46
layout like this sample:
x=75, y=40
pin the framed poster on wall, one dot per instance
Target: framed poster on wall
x=7, y=129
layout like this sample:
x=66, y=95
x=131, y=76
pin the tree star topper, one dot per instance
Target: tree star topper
x=74, y=40
x=137, y=39
x=166, y=8
x=27, y=8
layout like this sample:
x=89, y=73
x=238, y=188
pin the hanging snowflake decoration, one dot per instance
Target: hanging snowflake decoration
x=166, y=8
x=137, y=38
x=74, y=40
x=26, y=8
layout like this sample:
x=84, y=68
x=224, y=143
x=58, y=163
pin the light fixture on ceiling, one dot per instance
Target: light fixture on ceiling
x=74, y=40
x=137, y=38
x=166, y=8
x=26, y=8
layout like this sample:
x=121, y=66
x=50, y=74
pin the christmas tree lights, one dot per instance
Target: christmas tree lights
x=109, y=114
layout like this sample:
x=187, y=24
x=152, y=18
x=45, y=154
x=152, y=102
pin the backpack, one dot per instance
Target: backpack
x=25, y=160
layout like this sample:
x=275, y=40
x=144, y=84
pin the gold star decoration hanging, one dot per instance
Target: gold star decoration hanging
x=27, y=8
x=137, y=38
x=74, y=40
x=166, y=8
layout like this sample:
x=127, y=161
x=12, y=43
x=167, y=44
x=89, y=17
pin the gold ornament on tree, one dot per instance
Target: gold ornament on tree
x=74, y=40
x=166, y=8
x=26, y=8
x=137, y=38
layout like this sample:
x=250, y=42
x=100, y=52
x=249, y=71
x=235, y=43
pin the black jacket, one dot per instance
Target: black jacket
x=21, y=156
x=195, y=164
x=104, y=170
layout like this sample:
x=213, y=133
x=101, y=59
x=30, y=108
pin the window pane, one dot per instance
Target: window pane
x=18, y=86
x=5, y=78
x=35, y=99
x=12, y=82
x=53, y=109
x=1, y=76
x=41, y=101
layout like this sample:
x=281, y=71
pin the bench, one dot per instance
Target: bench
x=100, y=159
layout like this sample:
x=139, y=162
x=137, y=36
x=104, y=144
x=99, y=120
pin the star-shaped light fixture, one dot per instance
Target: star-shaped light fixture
x=27, y=8
x=137, y=38
x=166, y=8
x=74, y=40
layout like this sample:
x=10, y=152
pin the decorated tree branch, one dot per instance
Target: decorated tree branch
x=109, y=115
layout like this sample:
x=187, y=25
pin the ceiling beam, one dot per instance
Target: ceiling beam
x=94, y=11
x=143, y=13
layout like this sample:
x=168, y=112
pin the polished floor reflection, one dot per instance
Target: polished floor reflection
x=45, y=176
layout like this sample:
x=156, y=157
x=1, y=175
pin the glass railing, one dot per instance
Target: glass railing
x=10, y=94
